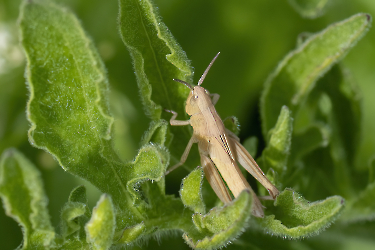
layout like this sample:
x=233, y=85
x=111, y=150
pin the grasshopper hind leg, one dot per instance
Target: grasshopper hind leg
x=215, y=180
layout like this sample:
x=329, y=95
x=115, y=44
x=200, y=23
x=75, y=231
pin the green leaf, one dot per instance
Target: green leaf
x=326, y=143
x=309, y=8
x=157, y=57
x=157, y=133
x=294, y=217
x=150, y=164
x=336, y=102
x=275, y=155
x=157, y=60
x=67, y=106
x=101, y=227
x=75, y=214
x=295, y=76
x=70, y=119
x=191, y=193
x=21, y=190
x=130, y=234
x=221, y=224
x=73, y=218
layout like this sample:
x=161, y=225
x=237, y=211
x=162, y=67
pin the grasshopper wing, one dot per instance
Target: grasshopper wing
x=215, y=179
x=232, y=175
x=247, y=161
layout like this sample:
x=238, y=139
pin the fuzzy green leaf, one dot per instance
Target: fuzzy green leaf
x=157, y=133
x=297, y=73
x=191, y=193
x=130, y=234
x=71, y=217
x=21, y=190
x=157, y=57
x=79, y=134
x=338, y=105
x=75, y=214
x=309, y=8
x=294, y=217
x=157, y=60
x=69, y=112
x=101, y=227
x=275, y=155
x=329, y=123
x=221, y=224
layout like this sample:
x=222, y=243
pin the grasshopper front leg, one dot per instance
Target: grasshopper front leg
x=175, y=122
x=184, y=156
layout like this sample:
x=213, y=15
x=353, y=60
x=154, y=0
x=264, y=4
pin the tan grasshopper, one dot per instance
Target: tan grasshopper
x=219, y=147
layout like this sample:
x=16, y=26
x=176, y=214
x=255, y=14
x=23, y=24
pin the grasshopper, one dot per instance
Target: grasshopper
x=219, y=148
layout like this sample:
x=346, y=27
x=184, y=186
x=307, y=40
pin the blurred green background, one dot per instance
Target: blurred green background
x=252, y=36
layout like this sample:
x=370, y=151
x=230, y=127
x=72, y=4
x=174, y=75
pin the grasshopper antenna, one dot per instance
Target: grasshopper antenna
x=185, y=83
x=208, y=68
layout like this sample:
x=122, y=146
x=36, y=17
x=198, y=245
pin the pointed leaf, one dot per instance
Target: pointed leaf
x=157, y=60
x=24, y=199
x=101, y=227
x=275, y=155
x=130, y=234
x=191, y=191
x=295, y=217
x=297, y=73
x=157, y=57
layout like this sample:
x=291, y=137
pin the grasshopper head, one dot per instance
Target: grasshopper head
x=198, y=100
